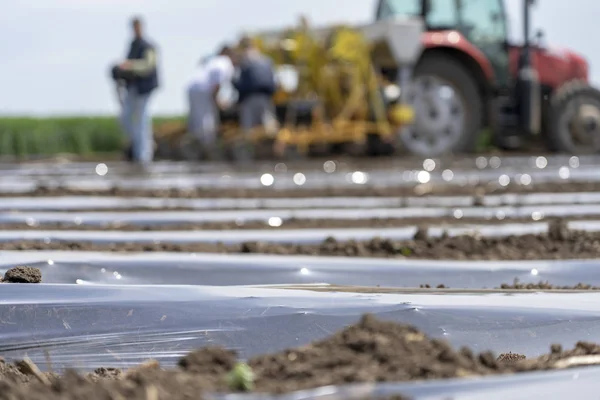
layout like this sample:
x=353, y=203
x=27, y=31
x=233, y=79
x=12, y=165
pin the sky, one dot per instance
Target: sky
x=57, y=53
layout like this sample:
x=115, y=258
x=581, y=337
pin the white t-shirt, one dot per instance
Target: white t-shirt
x=212, y=73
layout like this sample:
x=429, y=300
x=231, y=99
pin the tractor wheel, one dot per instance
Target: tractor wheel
x=573, y=121
x=448, y=108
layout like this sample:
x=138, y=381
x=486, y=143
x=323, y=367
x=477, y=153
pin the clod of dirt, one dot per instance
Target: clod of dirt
x=510, y=357
x=23, y=275
x=422, y=233
x=558, y=229
x=517, y=285
x=479, y=199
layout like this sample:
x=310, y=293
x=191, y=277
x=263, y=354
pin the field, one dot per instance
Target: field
x=83, y=136
x=361, y=278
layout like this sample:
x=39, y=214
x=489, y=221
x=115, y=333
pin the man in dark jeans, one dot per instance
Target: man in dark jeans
x=135, y=116
x=255, y=86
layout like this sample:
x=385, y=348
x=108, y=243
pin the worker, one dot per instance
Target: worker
x=136, y=119
x=204, y=87
x=255, y=86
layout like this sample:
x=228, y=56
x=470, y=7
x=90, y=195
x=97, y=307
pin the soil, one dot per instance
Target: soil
x=366, y=352
x=510, y=357
x=516, y=285
x=558, y=243
x=22, y=275
x=292, y=223
x=357, y=191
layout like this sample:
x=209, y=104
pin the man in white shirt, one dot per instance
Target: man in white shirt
x=203, y=120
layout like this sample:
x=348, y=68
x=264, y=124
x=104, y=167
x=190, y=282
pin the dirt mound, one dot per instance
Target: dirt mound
x=568, y=245
x=358, y=190
x=545, y=285
x=369, y=351
x=22, y=275
x=264, y=224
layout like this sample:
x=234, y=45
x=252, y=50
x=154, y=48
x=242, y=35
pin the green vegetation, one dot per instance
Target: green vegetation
x=241, y=378
x=25, y=136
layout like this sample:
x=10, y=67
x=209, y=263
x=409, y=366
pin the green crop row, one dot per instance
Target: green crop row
x=27, y=136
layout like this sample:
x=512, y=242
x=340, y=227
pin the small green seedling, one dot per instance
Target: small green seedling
x=241, y=378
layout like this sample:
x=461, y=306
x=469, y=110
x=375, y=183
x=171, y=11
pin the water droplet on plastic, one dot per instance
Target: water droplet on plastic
x=564, y=173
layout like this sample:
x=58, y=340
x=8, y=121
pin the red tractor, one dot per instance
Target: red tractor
x=470, y=78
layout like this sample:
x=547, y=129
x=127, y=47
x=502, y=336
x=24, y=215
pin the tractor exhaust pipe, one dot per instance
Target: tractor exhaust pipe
x=528, y=89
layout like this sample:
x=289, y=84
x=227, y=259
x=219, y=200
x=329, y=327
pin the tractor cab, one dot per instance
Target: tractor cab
x=483, y=24
x=514, y=90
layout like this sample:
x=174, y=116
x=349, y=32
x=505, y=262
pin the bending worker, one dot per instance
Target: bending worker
x=135, y=116
x=255, y=86
x=203, y=120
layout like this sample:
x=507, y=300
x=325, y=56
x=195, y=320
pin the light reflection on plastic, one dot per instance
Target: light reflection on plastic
x=429, y=165
x=31, y=222
x=103, y=270
x=280, y=168
x=574, y=162
x=564, y=173
x=50, y=262
x=360, y=178
x=423, y=176
x=299, y=179
x=267, y=180
x=458, y=214
x=101, y=169
x=304, y=271
x=534, y=272
x=525, y=179
x=541, y=162
x=329, y=166
x=537, y=215
x=504, y=180
x=495, y=162
x=275, y=221
x=481, y=162
x=447, y=175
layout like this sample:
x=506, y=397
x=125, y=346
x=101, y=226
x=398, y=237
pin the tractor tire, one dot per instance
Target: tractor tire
x=446, y=72
x=559, y=130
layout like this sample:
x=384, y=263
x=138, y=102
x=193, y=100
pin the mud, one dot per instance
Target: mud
x=548, y=246
x=285, y=224
x=366, y=352
x=357, y=191
x=22, y=275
